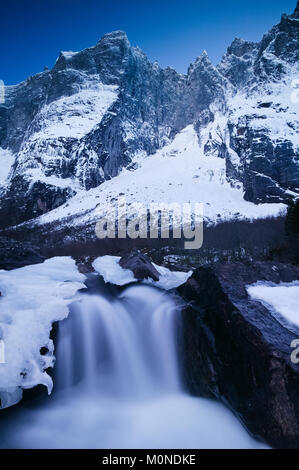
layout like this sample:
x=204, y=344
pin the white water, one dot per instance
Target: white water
x=121, y=347
x=118, y=383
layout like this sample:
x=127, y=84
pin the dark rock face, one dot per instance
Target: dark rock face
x=14, y=254
x=236, y=351
x=269, y=168
x=238, y=62
x=140, y=265
x=23, y=201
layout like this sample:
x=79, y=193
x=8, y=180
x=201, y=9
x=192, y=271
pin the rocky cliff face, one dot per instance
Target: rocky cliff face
x=97, y=111
x=235, y=350
x=263, y=124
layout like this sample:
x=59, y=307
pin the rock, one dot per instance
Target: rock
x=270, y=169
x=236, y=351
x=140, y=265
x=15, y=254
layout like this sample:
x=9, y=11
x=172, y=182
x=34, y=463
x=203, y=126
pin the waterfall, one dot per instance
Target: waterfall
x=124, y=346
x=117, y=382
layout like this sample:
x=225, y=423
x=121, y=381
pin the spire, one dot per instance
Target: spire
x=296, y=12
x=114, y=37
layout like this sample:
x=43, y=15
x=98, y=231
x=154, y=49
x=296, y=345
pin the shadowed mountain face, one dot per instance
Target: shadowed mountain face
x=107, y=107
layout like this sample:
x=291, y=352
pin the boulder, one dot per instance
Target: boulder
x=140, y=265
x=236, y=351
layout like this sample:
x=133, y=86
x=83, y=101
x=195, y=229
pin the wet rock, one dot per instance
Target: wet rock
x=140, y=265
x=236, y=351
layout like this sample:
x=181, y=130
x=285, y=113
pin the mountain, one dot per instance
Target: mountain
x=106, y=120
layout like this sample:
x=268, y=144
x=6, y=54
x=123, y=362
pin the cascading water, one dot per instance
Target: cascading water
x=118, y=383
x=124, y=346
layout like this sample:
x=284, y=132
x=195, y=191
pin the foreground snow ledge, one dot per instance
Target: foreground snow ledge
x=111, y=271
x=32, y=298
x=281, y=299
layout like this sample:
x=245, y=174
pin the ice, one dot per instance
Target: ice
x=32, y=298
x=111, y=271
x=108, y=267
x=282, y=299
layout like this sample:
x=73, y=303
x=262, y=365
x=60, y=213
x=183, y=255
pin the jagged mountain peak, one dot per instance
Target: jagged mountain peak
x=246, y=63
x=105, y=58
x=239, y=47
x=203, y=56
x=107, y=107
x=202, y=60
x=296, y=12
x=117, y=35
x=114, y=39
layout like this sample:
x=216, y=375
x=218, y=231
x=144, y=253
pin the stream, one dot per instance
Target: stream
x=118, y=382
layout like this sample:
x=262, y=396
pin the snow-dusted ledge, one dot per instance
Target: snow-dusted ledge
x=32, y=298
x=111, y=271
x=281, y=299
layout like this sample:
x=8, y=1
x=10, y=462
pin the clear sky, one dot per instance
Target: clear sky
x=173, y=32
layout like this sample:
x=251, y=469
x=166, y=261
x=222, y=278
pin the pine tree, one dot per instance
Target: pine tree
x=292, y=218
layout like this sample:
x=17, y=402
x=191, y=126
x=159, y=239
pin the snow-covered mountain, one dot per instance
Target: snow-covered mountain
x=106, y=121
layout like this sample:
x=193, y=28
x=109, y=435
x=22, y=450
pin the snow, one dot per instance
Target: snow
x=108, y=267
x=75, y=115
x=111, y=271
x=6, y=161
x=32, y=298
x=37, y=175
x=68, y=54
x=282, y=299
x=179, y=172
x=57, y=129
x=273, y=120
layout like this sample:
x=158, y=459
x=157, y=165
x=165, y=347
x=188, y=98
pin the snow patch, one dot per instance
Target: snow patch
x=6, y=162
x=68, y=54
x=32, y=298
x=111, y=271
x=281, y=299
x=279, y=121
x=76, y=115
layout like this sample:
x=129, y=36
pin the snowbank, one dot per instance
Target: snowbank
x=108, y=267
x=32, y=298
x=281, y=299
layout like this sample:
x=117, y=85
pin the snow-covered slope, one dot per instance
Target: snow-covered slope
x=180, y=172
x=75, y=115
x=32, y=298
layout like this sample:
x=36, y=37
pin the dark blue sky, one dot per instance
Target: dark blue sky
x=173, y=32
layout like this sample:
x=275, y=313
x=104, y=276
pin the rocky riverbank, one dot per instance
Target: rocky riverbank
x=236, y=351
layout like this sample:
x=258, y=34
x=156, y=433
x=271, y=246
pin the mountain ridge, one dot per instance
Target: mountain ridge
x=97, y=111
